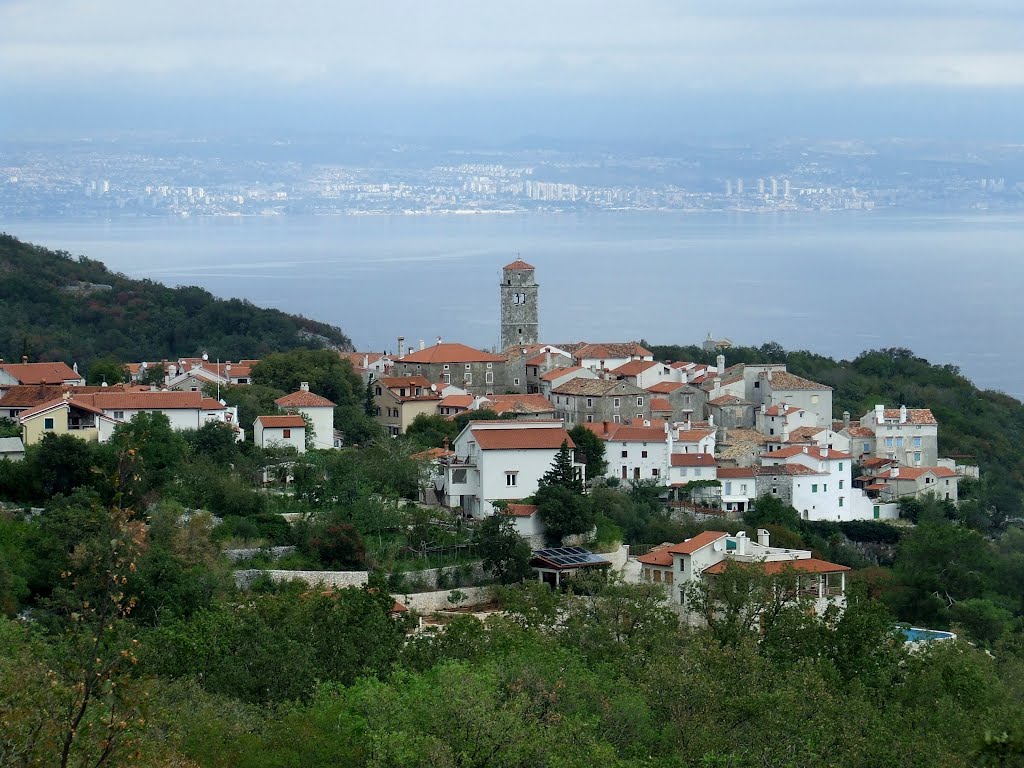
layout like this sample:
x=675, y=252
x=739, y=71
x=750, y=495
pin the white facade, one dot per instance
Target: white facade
x=268, y=434
x=908, y=435
x=496, y=461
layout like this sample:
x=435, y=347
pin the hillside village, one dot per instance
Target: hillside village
x=711, y=438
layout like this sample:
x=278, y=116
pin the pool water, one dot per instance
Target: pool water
x=918, y=635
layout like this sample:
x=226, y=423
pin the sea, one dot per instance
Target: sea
x=947, y=287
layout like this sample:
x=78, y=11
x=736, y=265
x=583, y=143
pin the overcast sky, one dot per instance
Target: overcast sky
x=454, y=53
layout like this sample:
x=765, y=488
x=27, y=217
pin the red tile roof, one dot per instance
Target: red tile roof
x=450, y=353
x=825, y=454
x=627, y=433
x=60, y=401
x=699, y=541
x=31, y=395
x=781, y=410
x=520, y=510
x=432, y=454
x=692, y=460
x=392, y=382
x=658, y=555
x=875, y=463
x=729, y=473
x=281, y=422
x=913, y=473
x=775, y=567
x=40, y=373
x=457, y=401
x=727, y=400
x=558, y=373
x=665, y=387
x=528, y=437
x=303, y=399
x=605, y=351
x=914, y=415
x=634, y=367
x=692, y=435
x=518, y=264
x=519, y=404
x=660, y=404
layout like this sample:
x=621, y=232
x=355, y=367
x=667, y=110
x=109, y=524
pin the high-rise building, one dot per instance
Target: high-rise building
x=728, y=188
x=775, y=187
x=760, y=187
x=785, y=188
x=739, y=186
x=520, y=323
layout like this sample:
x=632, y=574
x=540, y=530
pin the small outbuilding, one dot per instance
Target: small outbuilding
x=555, y=564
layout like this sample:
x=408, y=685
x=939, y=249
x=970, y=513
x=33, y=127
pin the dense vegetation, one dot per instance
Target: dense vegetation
x=51, y=312
x=984, y=424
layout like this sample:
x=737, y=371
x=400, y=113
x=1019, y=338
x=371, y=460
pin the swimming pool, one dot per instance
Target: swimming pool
x=918, y=635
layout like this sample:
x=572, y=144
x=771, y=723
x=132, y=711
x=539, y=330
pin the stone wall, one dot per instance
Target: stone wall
x=431, y=602
x=234, y=555
x=428, y=578
x=244, y=578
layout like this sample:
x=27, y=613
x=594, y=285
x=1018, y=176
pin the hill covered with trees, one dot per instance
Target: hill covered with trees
x=59, y=307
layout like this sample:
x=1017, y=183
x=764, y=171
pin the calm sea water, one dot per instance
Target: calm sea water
x=947, y=287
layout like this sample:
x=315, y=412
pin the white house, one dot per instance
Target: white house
x=319, y=410
x=554, y=379
x=12, y=374
x=738, y=488
x=909, y=435
x=647, y=373
x=280, y=432
x=607, y=357
x=502, y=460
x=635, y=451
x=526, y=522
x=779, y=420
x=817, y=483
x=705, y=555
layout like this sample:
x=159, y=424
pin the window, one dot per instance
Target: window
x=516, y=381
x=469, y=377
x=643, y=454
x=639, y=415
x=378, y=391
x=775, y=490
x=757, y=385
x=840, y=485
x=888, y=442
x=917, y=457
x=840, y=466
x=814, y=399
x=615, y=402
x=728, y=488
x=867, y=448
x=771, y=431
x=590, y=418
x=841, y=500
x=743, y=487
x=447, y=378
x=625, y=453
x=899, y=442
x=490, y=365
x=468, y=366
x=917, y=442
x=446, y=366
x=824, y=487
x=682, y=471
x=511, y=479
x=47, y=423
x=119, y=415
x=654, y=472
x=639, y=402
x=590, y=402
x=489, y=377
x=876, y=511
x=286, y=433
x=814, y=487
x=616, y=419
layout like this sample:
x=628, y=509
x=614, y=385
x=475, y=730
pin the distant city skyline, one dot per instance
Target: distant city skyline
x=570, y=68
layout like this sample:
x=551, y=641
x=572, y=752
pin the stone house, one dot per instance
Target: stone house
x=783, y=388
x=400, y=399
x=909, y=435
x=584, y=401
x=478, y=372
x=688, y=401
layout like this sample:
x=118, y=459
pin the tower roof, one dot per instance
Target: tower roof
x=518, y=264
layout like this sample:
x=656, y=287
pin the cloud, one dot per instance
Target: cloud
x=531, y=44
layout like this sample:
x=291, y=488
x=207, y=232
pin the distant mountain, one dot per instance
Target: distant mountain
x=57, y=307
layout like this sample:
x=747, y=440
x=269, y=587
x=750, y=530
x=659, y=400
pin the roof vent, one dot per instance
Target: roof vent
x=304, y=386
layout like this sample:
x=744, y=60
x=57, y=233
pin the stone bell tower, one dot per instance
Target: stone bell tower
x=519, y=311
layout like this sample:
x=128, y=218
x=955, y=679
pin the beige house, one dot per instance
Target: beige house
x=400, y=399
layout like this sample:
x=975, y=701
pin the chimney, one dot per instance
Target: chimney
x=304, y=386
x=422, y=345
x=401, y=346
x=711, y=420
x=879, y=413
x=903, y=414
x=366, y=361
x=823, y=452
x=846, y=419
x=763, y=537
x=805, y=449
x=24, y=359
x=67, y=395
x=894, y=472
x=741, y=543
x=720, y=364
x=439, y=341
x=547, y=359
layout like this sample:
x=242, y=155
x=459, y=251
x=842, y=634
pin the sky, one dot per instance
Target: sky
x=511, y=68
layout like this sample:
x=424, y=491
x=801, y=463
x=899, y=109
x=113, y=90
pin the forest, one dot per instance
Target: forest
x=59, y=307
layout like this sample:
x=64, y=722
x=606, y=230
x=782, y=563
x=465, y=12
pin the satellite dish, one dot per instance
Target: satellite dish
x=433, y=387
x=205, y=357
x=718, y=546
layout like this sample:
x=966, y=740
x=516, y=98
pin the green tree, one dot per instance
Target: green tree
x=160, y=451
x=106, y=370
x=503, y=551
x=563, y=471
x=369, y=404
x=771, y=510
x=564, y=512
x=431, y=430
x=591, y=449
